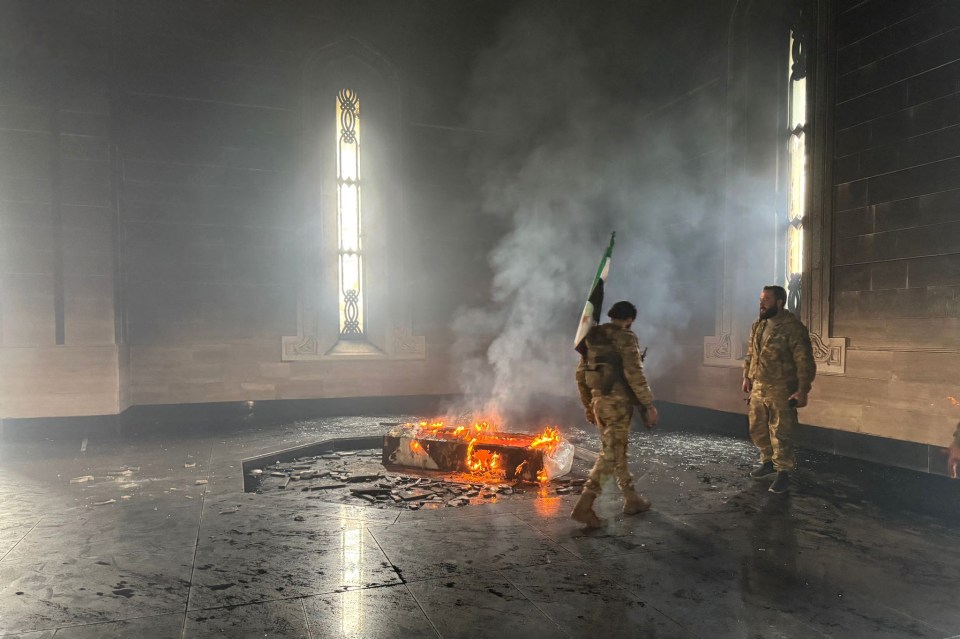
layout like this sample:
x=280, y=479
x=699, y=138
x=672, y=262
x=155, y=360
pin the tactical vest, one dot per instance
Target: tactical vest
x=604, y=364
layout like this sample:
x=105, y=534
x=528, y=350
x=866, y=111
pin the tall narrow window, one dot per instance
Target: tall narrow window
x=796, y=167
x=349, y=230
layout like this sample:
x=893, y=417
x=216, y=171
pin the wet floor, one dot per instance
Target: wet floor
x=156, y=538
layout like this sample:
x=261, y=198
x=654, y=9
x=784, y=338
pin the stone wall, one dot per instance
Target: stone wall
x=58, y=211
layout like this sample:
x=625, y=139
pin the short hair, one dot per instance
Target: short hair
x=779, y=293
x=622, y=311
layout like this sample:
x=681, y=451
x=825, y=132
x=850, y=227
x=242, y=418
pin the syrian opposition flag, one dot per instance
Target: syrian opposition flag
x=591, y=310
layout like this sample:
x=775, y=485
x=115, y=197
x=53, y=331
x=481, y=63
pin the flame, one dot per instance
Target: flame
x=480, y=432
x=954, y=401
x=547, y=439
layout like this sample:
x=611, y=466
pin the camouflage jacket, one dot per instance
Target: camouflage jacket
x=612, y=367
x=784, y=358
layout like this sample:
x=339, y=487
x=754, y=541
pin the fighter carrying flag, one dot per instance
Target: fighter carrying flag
x=591, y=310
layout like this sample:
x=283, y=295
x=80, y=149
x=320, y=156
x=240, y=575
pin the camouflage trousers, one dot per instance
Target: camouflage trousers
x=772, y=424
x=613, y=419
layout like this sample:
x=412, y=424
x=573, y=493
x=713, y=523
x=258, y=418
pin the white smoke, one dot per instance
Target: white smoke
x=570, y=160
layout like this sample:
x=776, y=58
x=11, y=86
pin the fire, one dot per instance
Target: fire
x=954, y=401
x=481, y=432
x=548, y=439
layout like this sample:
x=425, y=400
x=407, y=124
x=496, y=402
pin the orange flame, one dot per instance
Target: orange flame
x=483, y=431
x=548, y=439
x=954, y=401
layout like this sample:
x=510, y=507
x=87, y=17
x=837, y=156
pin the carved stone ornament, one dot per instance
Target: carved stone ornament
x=829, y=355
x=406, y=344
x=717, y=351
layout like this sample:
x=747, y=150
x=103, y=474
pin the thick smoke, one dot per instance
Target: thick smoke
x=573, y=155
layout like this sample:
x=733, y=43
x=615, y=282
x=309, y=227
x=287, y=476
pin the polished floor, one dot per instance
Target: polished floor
x=163, y=543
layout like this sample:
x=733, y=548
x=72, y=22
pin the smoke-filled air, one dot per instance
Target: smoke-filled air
x=570, y=156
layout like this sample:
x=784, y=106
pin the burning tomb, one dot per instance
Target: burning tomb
x=479, y=448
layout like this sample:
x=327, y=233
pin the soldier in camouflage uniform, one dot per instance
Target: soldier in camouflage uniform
x=778, y=373
x=611, y=381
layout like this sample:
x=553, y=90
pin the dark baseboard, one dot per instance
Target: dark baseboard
x=231, y=416
x=923, y=458
x=164, y=419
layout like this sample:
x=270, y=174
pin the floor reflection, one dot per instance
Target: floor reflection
x=768, y=570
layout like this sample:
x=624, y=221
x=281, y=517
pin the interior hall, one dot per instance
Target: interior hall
x=479, y=318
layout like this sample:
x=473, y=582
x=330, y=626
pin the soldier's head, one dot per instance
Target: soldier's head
x=772, y=301
x=623, y=313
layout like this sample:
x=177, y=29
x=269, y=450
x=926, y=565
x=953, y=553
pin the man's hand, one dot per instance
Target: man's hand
x=800, y=397
x=747, y=385
x=650, y=416
x=952, y=459
x=588, y=413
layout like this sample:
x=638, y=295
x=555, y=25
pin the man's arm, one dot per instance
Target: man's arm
x=586, y=398
x=747, y=382
x=805, y=364
x=633, y=369
x=629, y=348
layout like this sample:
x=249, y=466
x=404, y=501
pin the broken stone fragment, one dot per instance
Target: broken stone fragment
x=256, y=472
x=200, y=482
x=230, y=511
x=370, y=491
x=277, y=474
x=327, y=486
x=104, y=503
x=563, y=490
x=190, y=465
x=81, y=480
x=299, y=518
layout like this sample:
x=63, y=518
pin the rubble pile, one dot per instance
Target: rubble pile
x=358, y=477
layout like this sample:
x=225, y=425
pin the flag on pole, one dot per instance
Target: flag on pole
x=591, y=310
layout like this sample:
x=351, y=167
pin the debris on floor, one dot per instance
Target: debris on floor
x=359, y=478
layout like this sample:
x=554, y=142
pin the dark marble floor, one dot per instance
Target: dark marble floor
x=855, y=551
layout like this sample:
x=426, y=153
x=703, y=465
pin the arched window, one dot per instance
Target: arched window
x=797, y=167
x=349, y=218
x=353, y=228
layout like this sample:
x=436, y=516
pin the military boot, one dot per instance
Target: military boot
x=583, y=511
x=781, y=484
x=634, y=503
x=763, y=470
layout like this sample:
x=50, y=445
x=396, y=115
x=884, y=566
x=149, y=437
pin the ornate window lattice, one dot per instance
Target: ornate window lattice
x=349, y=229
x=796, y=166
